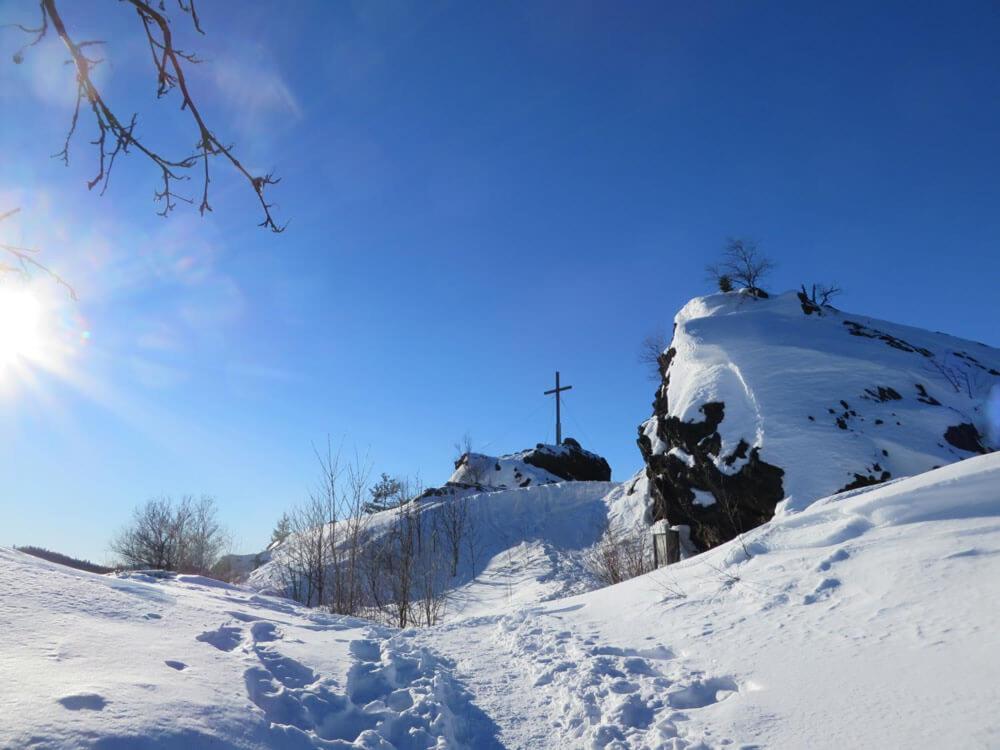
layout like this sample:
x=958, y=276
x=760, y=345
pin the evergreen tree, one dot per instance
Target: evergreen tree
x=281, y=530
x=386, y=495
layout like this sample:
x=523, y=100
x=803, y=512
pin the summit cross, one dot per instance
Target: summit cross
x=557, y=390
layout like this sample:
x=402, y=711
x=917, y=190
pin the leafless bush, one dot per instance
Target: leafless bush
x=962, y=375
x=650, y=351
x=320, y=561
x=406, y=566
x=475, y=470
x=821, y=294
x=453, y=523
x=620, y=554
x=472, y=541
x=463, y=446
x=185, y=536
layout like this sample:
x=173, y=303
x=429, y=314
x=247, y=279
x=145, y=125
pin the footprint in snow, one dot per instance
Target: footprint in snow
x=83, y=702
x=224, y=638
x=839, y=556
x=264, y=632
x=174, y=664
x=701, y=693
x=822, y=591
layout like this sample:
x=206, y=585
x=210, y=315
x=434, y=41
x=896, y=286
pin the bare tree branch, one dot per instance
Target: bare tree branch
x=115, y=136
x=25, y=258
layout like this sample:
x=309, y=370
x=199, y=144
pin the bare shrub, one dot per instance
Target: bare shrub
x=453, y=523
x=821, y=294
x=475, y=468
x=650, y=352
x=620, y=554
x=320, y=561
x=406, y=565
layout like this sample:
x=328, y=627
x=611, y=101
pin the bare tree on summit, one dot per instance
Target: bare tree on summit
x=742, y=265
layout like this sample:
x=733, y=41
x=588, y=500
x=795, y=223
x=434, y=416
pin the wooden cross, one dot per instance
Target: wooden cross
x=557, y=390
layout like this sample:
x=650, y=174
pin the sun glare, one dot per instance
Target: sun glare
x=20, y=326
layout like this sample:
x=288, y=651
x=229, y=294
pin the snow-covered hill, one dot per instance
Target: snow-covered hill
x=867, y=619
x=767, y=399
x=521, y=545
x=527, y=520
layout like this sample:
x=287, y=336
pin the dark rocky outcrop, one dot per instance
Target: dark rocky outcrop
x=966, y=437
x=808, y=306
x=450, y=488
x=742, y=500
x=867, y=480
x=882, y=394
x=924, y=397
x=857, y=329
x=569, y=461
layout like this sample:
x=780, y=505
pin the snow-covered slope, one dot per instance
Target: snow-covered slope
x=867, y=619
x=527, y=518
x=767, y=399
x=186, y=663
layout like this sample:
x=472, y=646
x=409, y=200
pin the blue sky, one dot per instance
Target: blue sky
x=479, y=194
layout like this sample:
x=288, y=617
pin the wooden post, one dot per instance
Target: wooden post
x=666, y=547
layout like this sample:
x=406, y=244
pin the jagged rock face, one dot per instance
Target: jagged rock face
x=569, y=461
x=769, y=399
x=690, y=486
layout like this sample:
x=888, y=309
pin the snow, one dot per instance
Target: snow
x=866, y=619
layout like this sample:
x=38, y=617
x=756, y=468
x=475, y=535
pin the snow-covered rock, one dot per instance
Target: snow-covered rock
x=764, y=400
x=543, y=464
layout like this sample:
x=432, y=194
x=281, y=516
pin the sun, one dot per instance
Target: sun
x=20, y=326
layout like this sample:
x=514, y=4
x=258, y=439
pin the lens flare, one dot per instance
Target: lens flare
x=993, y=416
